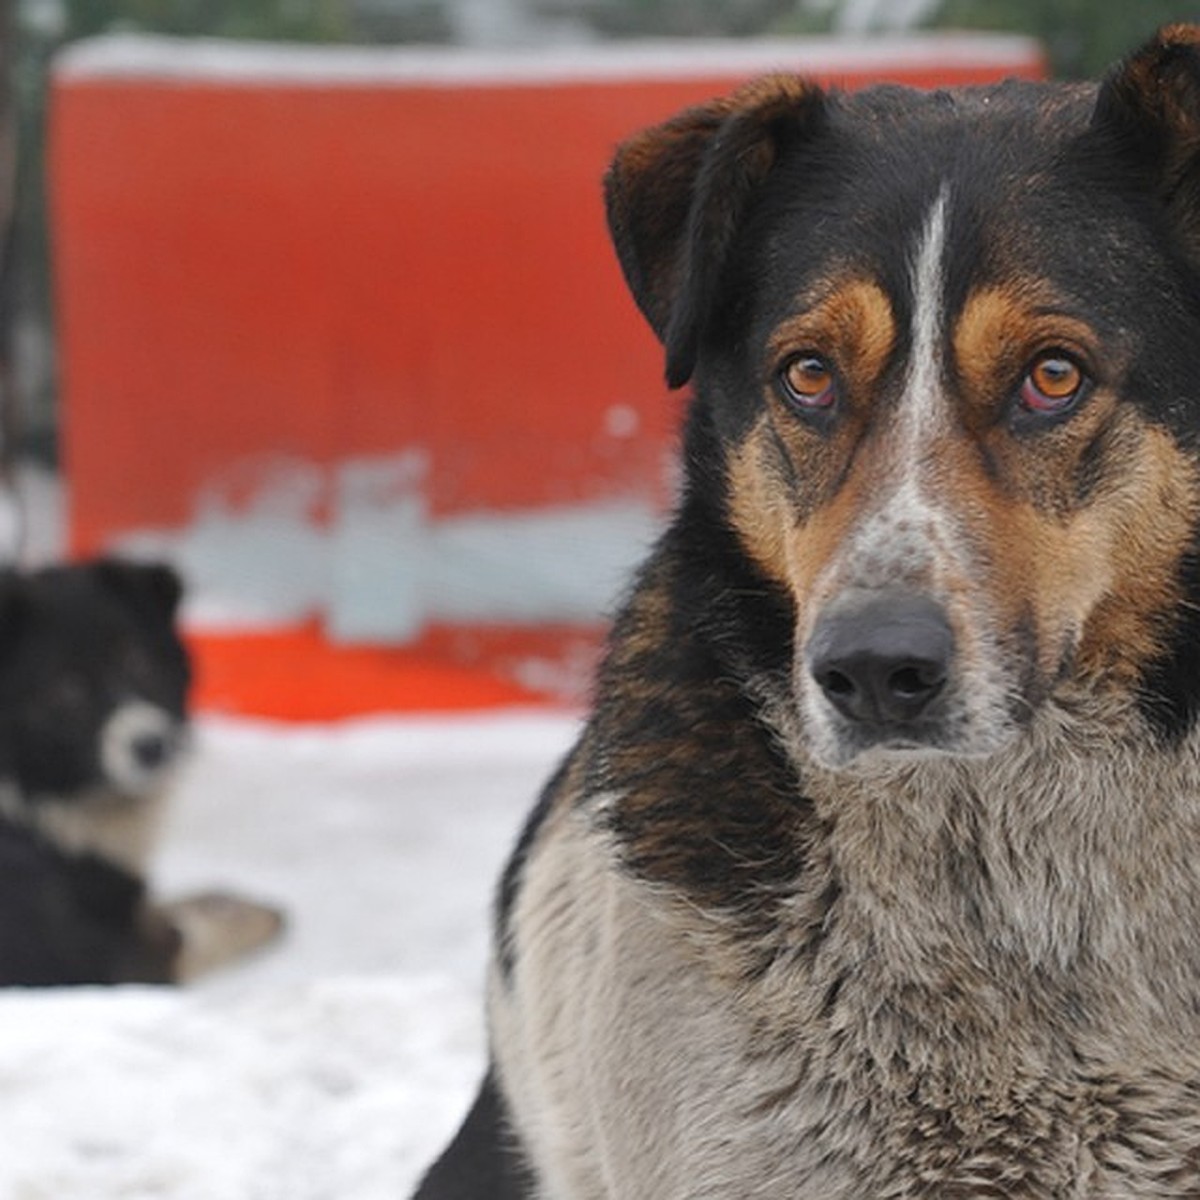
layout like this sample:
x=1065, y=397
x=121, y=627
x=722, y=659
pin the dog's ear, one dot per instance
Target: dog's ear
x=152, y=586
x=677, y=193
x=1149, y=105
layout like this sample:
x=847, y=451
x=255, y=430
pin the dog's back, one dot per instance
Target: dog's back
x=876, y=871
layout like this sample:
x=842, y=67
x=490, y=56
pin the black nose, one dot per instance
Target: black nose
x=881, y=657
x=150, y=750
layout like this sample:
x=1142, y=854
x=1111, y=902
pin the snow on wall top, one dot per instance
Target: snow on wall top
x=206, y=60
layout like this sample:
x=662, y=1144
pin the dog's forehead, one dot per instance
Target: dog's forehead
x=1006, y=168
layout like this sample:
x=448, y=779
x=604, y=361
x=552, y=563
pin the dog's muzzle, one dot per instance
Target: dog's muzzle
x=139, y=744
x=882, y=659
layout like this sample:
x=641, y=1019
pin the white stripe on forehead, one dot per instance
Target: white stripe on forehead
x=905, y=533
x=922, y=401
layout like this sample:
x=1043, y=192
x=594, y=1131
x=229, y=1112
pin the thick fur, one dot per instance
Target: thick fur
x=752, y=944
x=93, y=723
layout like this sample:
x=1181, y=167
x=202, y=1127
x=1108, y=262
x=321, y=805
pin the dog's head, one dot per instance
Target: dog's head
x=950, y=344
x=93, y=679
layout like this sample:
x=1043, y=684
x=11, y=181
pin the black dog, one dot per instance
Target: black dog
x=93, y=719
x=876, y=871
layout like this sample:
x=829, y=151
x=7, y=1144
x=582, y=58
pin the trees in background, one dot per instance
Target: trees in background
x=1082, y=36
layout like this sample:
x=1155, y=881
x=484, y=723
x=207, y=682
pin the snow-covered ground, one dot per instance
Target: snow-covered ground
x=334, y=1065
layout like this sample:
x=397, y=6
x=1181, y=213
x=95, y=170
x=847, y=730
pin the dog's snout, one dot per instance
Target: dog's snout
x=881, y=658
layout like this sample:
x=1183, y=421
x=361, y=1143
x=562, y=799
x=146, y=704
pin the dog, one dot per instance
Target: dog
x=875, y=871
x=93, y=724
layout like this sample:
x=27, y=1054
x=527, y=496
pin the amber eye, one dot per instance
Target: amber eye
x=1053, y=384
x=807, y=379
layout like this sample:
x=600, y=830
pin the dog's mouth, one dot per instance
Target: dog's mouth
x=838, y=743
x=835, y=743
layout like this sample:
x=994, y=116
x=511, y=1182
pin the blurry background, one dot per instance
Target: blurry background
x=1080, y=37
x=314, y=299
x=310, y=306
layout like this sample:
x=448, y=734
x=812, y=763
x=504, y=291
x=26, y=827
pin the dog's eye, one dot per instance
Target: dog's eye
x=807, y=380
x=1052, y=385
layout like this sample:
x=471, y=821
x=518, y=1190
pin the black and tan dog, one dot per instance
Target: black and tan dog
x=876, y=871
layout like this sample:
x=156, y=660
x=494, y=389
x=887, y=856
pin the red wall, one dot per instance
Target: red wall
x=336, y=265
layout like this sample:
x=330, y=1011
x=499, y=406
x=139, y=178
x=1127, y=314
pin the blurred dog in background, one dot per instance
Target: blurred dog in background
x=93, y=724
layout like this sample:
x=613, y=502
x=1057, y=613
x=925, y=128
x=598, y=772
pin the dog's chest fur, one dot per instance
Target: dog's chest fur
x=956, y=997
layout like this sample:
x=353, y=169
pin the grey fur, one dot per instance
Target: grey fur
x=1013, y=973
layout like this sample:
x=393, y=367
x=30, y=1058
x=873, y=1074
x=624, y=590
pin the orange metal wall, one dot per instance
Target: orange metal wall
x=332, y=269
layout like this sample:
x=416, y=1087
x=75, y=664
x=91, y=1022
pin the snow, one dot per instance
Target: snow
x=378, y=566
x=249, y=64
x=336, y=1063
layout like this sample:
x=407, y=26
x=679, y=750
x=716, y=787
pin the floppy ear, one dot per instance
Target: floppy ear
x=1150, y=105
x=155, y=586
x=677, y=193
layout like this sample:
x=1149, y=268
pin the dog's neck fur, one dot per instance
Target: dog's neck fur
x=1059, y=875
x=1075, y=837
x=122, y=830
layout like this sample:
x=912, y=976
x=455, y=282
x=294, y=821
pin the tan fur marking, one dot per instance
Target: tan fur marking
x=758, y=503
x=1151, y=520
x=217, y=928
x=122, y=829
x=1097, y=579
x=1100, y=572
x=811, y=547
x=789, y=548
x=851, y=324
x=997, y=335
